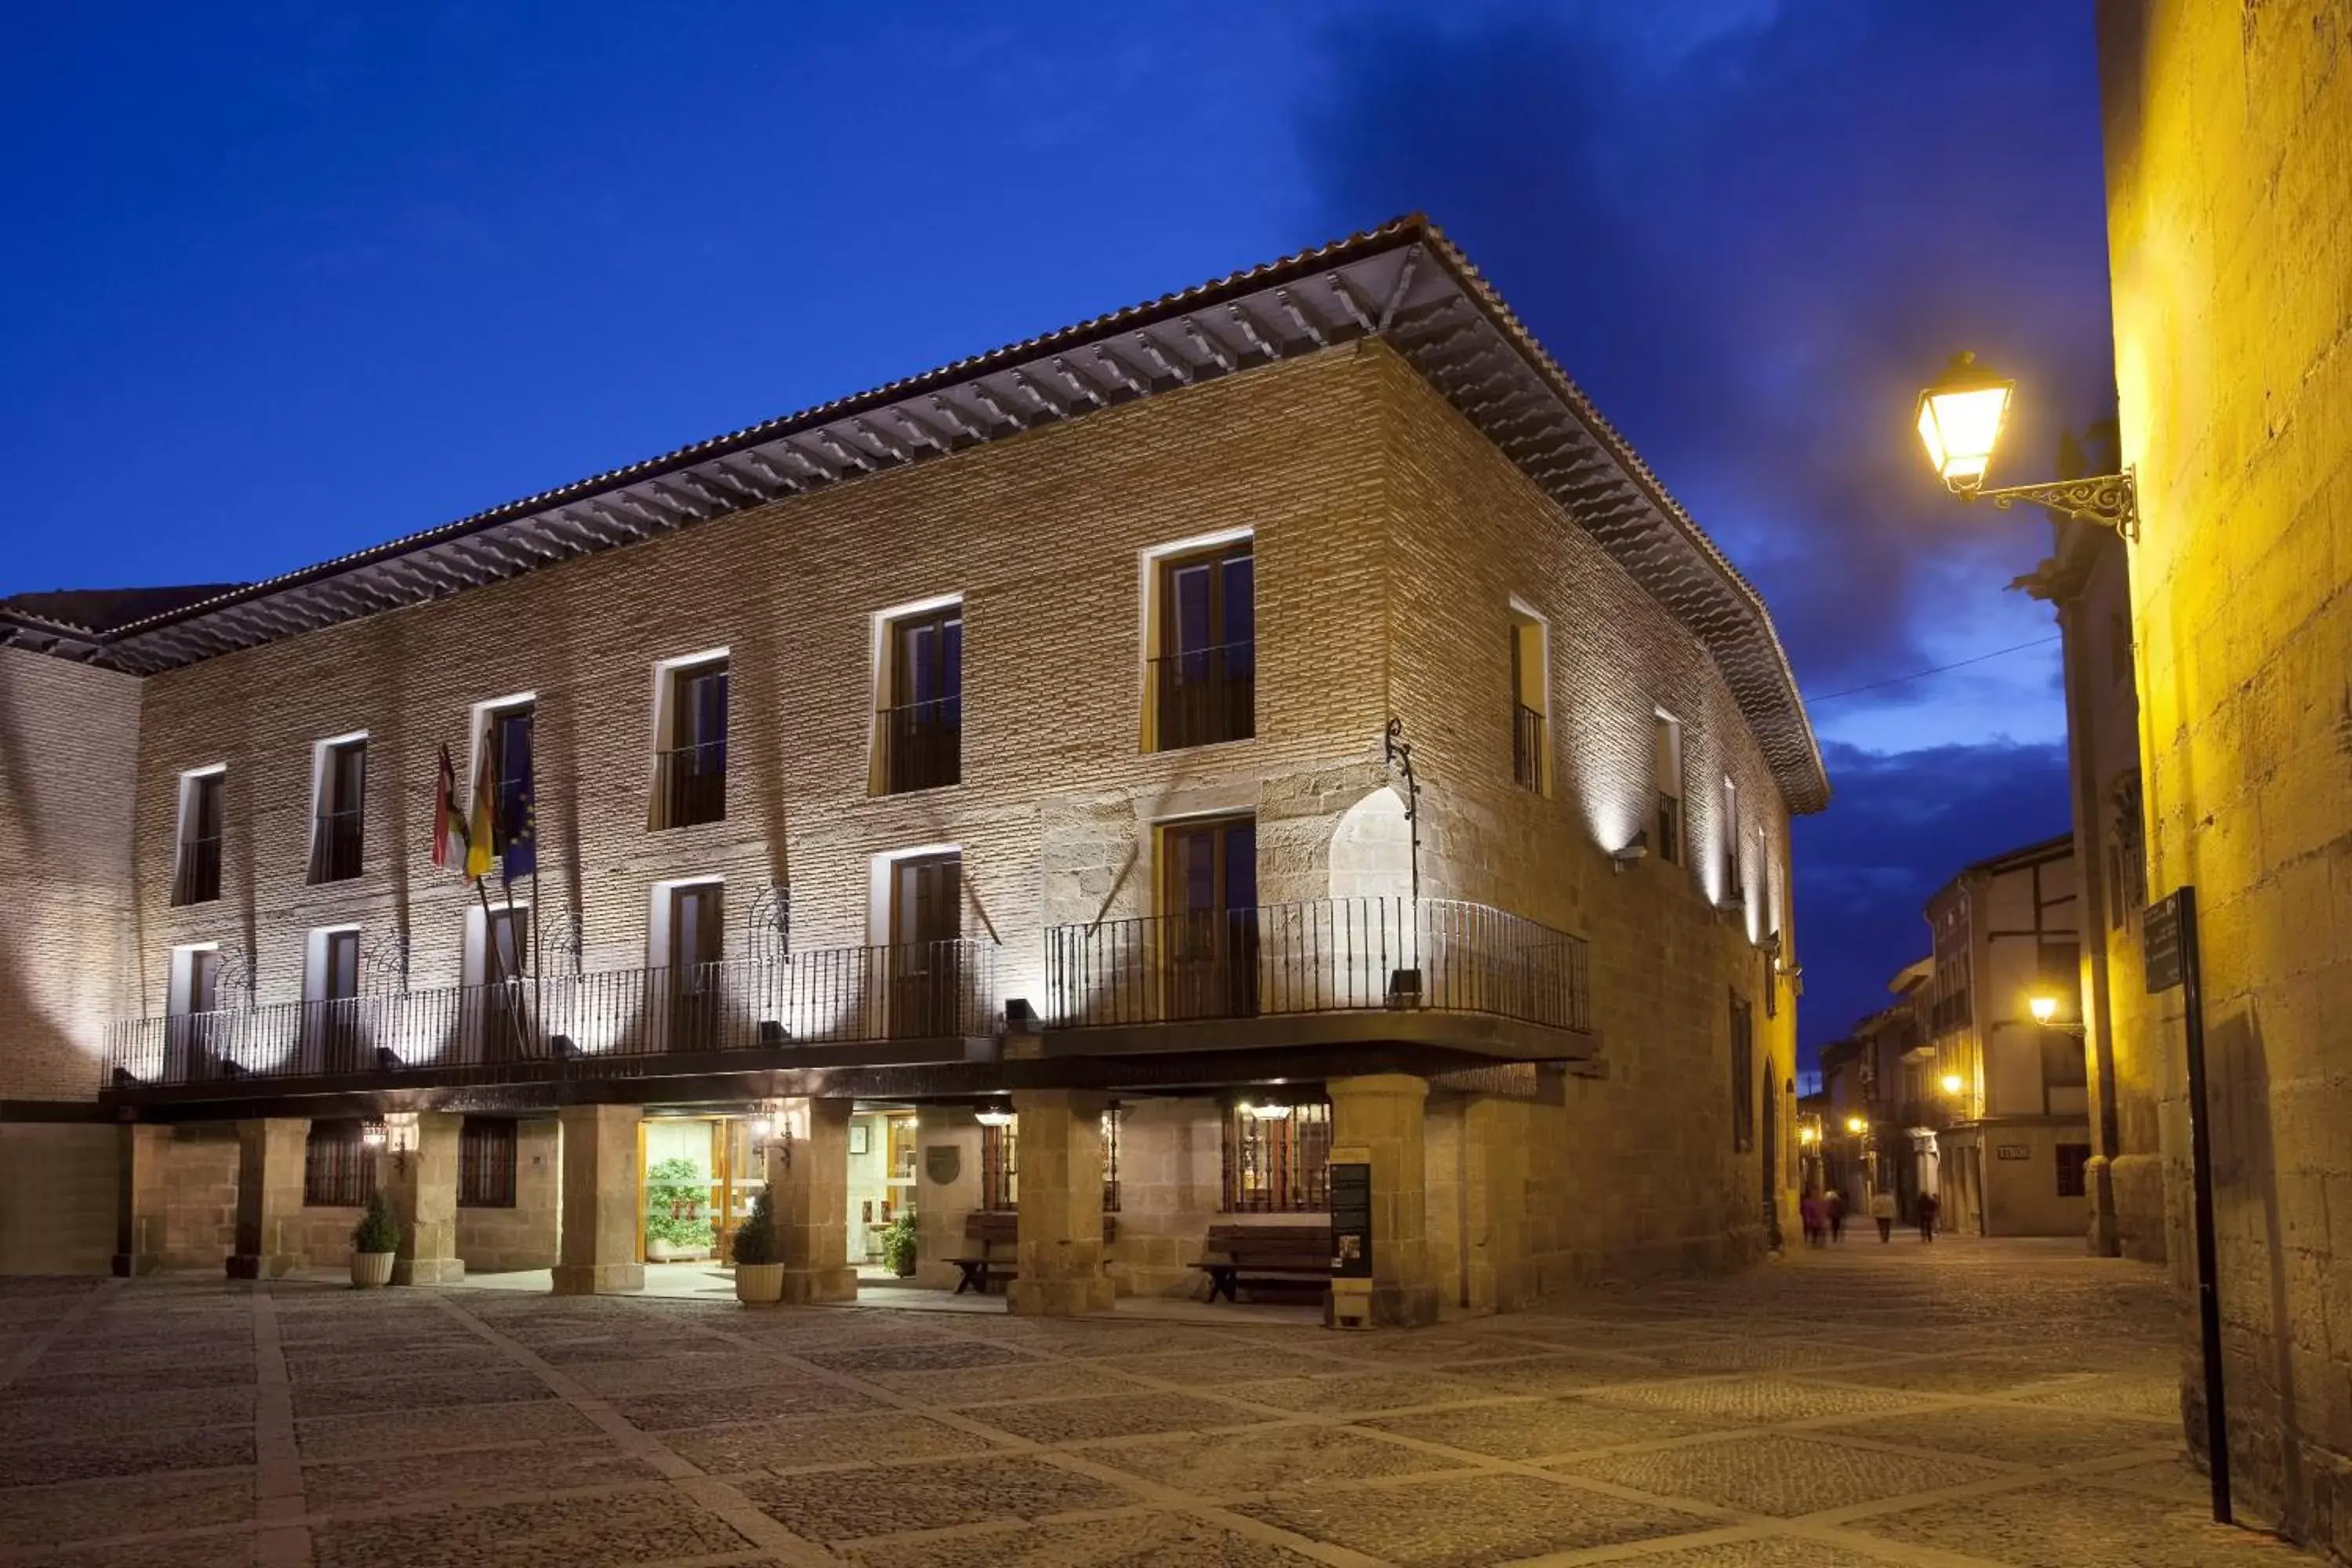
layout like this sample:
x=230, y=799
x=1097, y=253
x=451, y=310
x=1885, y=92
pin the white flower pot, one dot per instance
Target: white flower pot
x=372, y=1268
x=659, y=1251
x=758, y=1284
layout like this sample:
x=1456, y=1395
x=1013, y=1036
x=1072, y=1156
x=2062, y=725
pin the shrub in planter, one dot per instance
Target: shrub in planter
x=758, y=1267
x=374, y=1241
x=898, y=1244
x=676, y=1191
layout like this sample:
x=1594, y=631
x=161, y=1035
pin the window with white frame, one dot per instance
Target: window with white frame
x=690, y=698
x=1667, y=745
x=337, y=830
x=196, y=858
x=1531, y=723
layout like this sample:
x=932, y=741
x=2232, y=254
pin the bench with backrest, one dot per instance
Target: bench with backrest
x=991, y=1236
x=1291, y=1255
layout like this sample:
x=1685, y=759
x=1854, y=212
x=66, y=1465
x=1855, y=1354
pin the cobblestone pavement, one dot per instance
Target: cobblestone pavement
x=1963, y=1403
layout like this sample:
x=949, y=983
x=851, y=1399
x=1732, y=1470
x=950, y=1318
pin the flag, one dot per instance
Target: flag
x=478, y=821
x=448, y=821
x=519, y=856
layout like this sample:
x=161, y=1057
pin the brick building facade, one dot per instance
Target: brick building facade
x=1161, y=873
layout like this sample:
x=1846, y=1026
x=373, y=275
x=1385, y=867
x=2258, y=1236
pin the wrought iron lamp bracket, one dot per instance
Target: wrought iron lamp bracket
x=2111, y=500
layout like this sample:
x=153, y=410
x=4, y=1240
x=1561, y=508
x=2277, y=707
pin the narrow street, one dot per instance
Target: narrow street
x=1964, y=1403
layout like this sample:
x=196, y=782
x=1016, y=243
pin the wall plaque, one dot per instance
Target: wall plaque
x=2013, y=1151
x=1351, y=1220
x=942, y=1163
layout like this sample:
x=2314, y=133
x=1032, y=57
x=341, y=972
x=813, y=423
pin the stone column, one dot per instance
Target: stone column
x=423, y=1192
x=1381, y=1114
x=601, y=1193
x=808, y=1183
x=139, y=1199
x=269, y=1155
x=1059, y=1246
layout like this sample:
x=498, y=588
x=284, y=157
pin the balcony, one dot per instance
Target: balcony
x=195, y=877
x=1429, y=956
x=1526, y=747
x=690, y=785
x=617, y=1024
x=335, y=847
x=922, y=744
x=1205, y=696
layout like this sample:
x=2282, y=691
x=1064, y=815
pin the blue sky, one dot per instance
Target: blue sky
x=289, y=279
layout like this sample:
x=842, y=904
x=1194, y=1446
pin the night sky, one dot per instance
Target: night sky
x=278, y=290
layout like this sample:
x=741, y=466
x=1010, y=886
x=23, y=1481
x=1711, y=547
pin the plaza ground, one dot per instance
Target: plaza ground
x=1965, y=1403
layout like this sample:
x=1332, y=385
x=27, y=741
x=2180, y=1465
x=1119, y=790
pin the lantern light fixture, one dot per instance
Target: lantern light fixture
x=1960, y=419
x=993, y=1116
x=1952, y=1083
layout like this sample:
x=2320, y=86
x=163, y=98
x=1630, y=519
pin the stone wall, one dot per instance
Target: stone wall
x=59, y=1216
x=2228, y=196
x=68, y=740
x=200, y=1195
x=525, y=1236
x=1171, y=1184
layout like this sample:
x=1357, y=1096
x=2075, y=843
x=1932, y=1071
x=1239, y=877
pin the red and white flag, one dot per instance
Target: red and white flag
x=449, y=819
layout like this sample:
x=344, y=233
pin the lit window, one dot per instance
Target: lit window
x=1668, y=748
x=1530, y=745
x=338, y=830
x=197, y=865
x=1278, y=1159
x=919, y=732
x=1204, y=666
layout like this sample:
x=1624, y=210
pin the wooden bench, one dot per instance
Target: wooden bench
x=989, y=1230
x=1293, y=1255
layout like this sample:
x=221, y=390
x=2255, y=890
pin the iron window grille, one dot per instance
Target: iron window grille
x=1110, y=1119
x=1670, y=828
x=1278, y=1166
x=339, y=1166
x=1743, y=1077
x=485, y=1164
x=999, y=1173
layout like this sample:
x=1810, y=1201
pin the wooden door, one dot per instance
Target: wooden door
x=698, y=925
x=926, y=930
x=1209, y=897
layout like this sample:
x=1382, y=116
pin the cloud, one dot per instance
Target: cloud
x=1752, y=233
x=1903, y=825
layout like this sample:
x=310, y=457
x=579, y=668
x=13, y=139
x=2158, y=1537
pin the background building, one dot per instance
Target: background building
x=2086, y=579
x=2228, y=133
x=1087, y=785
x=2014, y=1144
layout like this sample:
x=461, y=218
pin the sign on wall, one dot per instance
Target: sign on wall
x=2013, y=1151
x=2159, y=942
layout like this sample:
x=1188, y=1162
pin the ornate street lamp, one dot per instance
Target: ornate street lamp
x=1960, y=422
x=2043, y=1005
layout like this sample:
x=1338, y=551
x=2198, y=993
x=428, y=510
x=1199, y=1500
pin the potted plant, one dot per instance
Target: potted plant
x=899, y=1243
x=375, y=1240
x=759, y=1271
x=675, y=1228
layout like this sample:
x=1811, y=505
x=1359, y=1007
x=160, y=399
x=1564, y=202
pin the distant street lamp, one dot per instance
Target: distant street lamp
x=2043, y=1005
x=1953, y=1083
x=1855, y=1124
x=1960, y=421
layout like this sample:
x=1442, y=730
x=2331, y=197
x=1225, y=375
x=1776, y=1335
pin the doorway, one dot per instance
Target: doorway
x=1208, y=899
x=926, y=931
x=700, y=1176
x=882, y=1177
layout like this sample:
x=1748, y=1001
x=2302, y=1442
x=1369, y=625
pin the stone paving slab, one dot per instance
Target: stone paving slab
x=1483, y=1519
x=1980, y=1403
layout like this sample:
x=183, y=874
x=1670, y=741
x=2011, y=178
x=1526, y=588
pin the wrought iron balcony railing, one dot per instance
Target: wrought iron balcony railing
x=922, y=744
x=1526, y=747
x=690, y=785
x=195, y=879
x=1205, y=696
x=616, y=1024
x=1324, y=955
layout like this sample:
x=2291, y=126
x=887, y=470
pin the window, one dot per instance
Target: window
x=1204, y=674
x=1278, y=1159
x=331, y=990
x=1668, y=747
x=691, y=768
x=508, y=734
x=2073, y=1170
x=485, y=1164
x=1111, y=1120
x=1530, y=750
x=925, y=953
x=1000, y=1169
x=1743, y=1075
x=497, y=1008
x=697, y=931
x=338, y=1166
x=1209, y=946
x=195, y=873
x=1733, y=892
x=920, y=727
x=336, y=836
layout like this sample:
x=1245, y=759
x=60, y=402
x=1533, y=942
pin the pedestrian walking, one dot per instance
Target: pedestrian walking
x=1808, y=1211
x=1834, y=1208
x=1927, y=1209
x=1881, y=1209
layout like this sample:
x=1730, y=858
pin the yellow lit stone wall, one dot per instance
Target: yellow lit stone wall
x=2228, y=130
